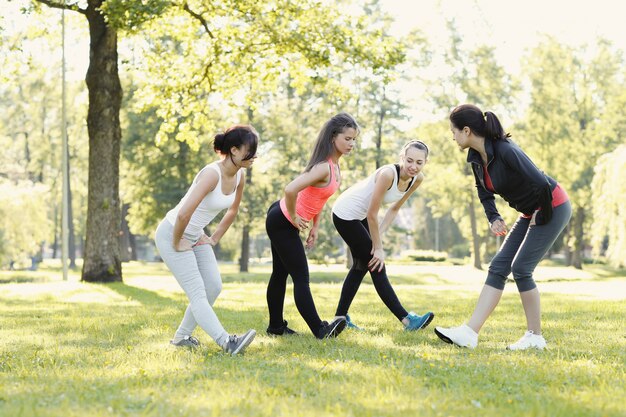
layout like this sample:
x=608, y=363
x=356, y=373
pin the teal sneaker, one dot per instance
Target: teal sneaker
x=351, y=325
x=418, y=322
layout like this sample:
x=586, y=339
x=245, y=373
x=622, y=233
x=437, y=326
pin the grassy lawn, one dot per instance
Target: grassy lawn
x=75, y=349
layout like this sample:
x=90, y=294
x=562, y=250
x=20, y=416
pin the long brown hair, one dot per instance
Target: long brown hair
x=324, y=144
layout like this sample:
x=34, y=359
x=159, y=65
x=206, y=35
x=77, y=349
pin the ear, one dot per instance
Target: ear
x=234, y=150
x=467, y=130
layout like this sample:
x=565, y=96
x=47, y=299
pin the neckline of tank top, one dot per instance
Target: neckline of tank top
x=397, y=166
x=219, y=179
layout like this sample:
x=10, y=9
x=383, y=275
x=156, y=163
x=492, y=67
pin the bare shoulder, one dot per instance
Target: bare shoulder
x=386, y=173
x=208, y=178
x=385, y=176
x=320, y=170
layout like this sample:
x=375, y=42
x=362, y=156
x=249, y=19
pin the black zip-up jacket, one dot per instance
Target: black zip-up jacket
x=515, y=178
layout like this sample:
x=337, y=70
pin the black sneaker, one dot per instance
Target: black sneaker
x=280, y=331
x=333, y=329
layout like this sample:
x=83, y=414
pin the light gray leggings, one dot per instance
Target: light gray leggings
x=197, y=273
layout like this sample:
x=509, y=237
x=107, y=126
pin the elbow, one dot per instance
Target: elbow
x=290, y=191
x=182, y=218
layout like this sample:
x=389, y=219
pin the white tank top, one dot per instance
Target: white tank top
x=353, y=203
x=210, y=206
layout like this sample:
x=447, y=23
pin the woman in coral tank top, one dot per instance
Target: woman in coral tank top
x=302, y=204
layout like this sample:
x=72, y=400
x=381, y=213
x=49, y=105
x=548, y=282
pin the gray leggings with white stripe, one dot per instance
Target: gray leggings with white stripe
x=197, y=273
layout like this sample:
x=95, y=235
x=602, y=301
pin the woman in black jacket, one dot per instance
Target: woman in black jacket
x=501, y=167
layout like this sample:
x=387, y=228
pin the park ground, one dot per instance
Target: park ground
x=75, y=349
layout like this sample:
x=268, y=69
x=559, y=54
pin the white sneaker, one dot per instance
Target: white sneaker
x=528, y=341
x=462, y=336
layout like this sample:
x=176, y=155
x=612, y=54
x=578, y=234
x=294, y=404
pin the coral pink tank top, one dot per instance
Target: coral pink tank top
x=311, y=200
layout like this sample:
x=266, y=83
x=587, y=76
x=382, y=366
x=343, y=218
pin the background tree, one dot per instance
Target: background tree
x=566, y=127
x=102, y=255
x=262, y=38
x=21, y=239
x=30, y=126
x=475, y=77
x=608, y=230
x=282, y=49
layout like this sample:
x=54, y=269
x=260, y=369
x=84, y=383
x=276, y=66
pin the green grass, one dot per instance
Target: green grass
x=76, y=349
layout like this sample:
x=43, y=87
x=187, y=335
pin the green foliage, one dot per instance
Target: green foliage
x=220, y=55
x=609, y=206
x=192, y=68
x=23, y=221
x=573, y=119
x=30, y=133
x=129, y=15
x=155, y=178
x=281, y=66
x=475, y=77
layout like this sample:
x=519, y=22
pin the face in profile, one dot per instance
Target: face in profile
x=460, y=136
x=345, y=141
x=243, y=152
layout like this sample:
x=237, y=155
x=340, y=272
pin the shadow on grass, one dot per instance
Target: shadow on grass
x=331, y=278
x=263, y=278
x=22, y=278
x=143, y=296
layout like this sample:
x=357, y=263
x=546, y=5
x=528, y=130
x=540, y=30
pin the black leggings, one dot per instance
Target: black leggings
x=357, y=235
x=288, y=258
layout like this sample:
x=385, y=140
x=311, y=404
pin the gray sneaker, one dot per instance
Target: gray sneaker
x=187, y=341
x=237, y=344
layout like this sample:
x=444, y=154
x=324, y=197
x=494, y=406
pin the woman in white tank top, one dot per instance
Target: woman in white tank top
x=355, y=215
x=188, y=252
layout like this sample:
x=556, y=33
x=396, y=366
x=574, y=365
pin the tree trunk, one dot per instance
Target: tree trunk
x=81, y=245
x=125, y=251
x=349, y=258
x=71, y=243
x=577, y=252
x=475, y=237
x=379, y=134
x=102, y=252
x=566, y=247
x=55, y=242
x=132, y=241
x=245, y=249
x=245, y=233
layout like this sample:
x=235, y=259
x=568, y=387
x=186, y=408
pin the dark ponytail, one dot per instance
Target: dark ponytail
x=482, y=124
x=237, y=136
x=493, y=128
